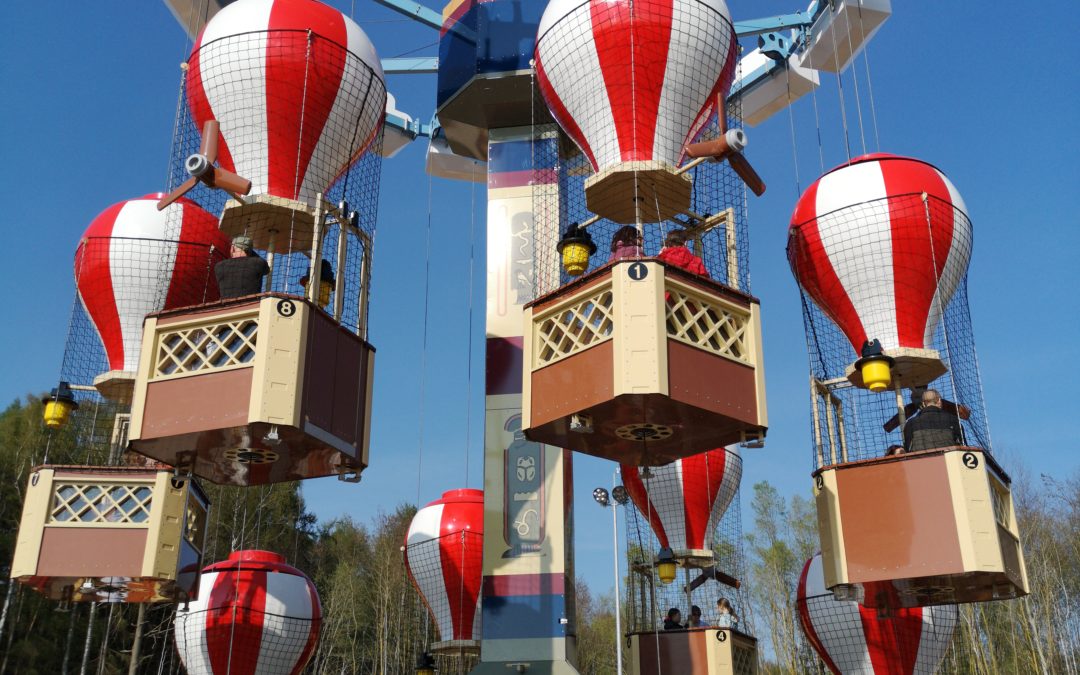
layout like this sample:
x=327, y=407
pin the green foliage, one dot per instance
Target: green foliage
x=375, y=623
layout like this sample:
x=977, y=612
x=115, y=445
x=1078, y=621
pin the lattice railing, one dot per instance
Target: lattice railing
x=999, y=499
x=214, y=346
x=570, y=329
x=97, y=503
x=744, y=658
x=707, y=324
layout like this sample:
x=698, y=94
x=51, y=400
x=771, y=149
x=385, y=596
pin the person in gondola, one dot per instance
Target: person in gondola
x=932, y=427
x=326, y=282
x=626, y=243
x=695, y=618
x=725, y=614
x=677, y=254
x=242, y=272
x=673, y=620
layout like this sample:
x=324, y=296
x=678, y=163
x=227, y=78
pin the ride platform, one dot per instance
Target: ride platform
x=253, y=390
x=924, y=528
x=111, y=534
x=694, y=651
x=643, y=364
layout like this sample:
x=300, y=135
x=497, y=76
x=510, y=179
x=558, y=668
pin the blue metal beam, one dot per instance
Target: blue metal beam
x=772, y=23
x=425, y=15
x=414, y=10
x=421, y=64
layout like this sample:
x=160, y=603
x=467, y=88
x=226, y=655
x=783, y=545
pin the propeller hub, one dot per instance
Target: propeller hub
x=196, y=165
x=736, y=139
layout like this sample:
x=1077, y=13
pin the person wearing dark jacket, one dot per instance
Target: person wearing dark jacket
x=242, y=272
x=673, y=620
x=675, y=253
x=932, y=427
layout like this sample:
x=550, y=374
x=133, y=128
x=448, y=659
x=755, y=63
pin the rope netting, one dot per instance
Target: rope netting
x=907, y=292
x=617, y=163
x=296, y=139
x=446, y=573
x=851, y=638
x=723, y=247
x=697, y=516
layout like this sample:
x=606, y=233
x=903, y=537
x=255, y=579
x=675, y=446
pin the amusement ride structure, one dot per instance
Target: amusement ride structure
x=620, y=323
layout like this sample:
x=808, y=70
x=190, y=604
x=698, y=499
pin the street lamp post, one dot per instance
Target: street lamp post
x=600, y=494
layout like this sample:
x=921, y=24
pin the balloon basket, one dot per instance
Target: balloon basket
x=694, y=651
x=638, y=348
x=253, y=390
x=111, y=534
x=926, y=528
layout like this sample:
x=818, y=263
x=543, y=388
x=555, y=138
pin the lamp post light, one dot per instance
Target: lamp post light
x=619, y=494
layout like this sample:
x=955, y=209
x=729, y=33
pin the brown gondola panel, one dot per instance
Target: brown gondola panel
x=253, y=390
x=706, y=651
x=925, y=528
x=641, y=363
x=111, y=534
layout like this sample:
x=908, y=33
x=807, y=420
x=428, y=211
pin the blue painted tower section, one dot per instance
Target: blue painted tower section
x=485, y=79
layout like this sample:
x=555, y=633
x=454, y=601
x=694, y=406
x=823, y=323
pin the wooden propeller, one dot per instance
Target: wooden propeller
x=728, y=146
x=200, y=167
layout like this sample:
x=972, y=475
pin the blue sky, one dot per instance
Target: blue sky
x=89, y=94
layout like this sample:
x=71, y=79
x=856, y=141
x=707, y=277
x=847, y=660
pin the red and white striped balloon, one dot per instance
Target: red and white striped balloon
x=297, y=88
x=634, y=80
x=126, y=267
x=875, y=258
x=444, y=558
x=254, y=614
x=685, y=500
x=851, y=638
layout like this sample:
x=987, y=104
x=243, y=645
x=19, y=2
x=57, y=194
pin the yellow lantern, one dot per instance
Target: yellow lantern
x=575, y=247
x=665, y=566
x=59, y=405
x=875, y=367
x=326, y=282
x=876, y=374
x=425, y=665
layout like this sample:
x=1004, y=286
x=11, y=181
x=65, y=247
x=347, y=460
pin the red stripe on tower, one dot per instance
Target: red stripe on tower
x=633, y=70
x=905, y=181
x=893, y=642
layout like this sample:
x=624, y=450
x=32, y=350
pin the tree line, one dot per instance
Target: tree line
x=374, y=622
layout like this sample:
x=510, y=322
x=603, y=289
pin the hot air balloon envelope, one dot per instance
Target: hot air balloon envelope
x=134, y=260
x=444, y=557
x=632, y=83
x=851, y=638
x=685, y=500
x=881, y=244
x=254, y=614
x=299, y=94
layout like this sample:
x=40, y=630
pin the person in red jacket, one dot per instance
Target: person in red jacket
x=676, y=253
